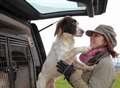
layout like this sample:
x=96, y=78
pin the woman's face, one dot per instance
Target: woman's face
x=97, y=40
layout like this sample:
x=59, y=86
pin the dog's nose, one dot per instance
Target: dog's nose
x=79, y=32
x=82, y=31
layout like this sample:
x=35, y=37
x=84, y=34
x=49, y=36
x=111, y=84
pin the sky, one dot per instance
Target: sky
x=111, y=17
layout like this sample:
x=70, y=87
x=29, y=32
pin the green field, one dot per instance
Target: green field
x=117, y=81
x=61, y=83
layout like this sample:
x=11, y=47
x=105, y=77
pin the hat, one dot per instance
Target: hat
x=107, y=31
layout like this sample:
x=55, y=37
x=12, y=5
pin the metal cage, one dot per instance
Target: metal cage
x=16, y=64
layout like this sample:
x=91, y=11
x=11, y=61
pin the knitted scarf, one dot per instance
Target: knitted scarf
x=85, y=57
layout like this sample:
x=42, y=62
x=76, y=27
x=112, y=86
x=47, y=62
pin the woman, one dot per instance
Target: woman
x=102, y=43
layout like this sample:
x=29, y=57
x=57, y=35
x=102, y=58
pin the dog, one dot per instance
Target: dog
x=66, y=29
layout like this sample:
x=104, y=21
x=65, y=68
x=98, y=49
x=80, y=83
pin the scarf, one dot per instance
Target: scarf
x=85, y=57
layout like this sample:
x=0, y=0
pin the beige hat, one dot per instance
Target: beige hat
x=107, y=31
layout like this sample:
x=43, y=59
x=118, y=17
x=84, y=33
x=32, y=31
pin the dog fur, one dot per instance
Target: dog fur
x=66, y=29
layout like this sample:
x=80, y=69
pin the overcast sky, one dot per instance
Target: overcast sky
x=111, y=17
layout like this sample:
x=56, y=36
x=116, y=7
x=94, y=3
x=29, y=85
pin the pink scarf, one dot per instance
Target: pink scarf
x=88, y=55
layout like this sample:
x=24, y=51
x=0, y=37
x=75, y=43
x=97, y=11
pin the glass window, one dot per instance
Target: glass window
x=50, y=6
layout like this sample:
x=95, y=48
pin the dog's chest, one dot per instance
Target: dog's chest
x=59, y=49
x=57, y=53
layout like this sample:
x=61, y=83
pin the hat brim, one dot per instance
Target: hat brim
x=90, y=32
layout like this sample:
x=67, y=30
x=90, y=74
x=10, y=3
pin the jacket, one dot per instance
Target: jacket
x=103, y=74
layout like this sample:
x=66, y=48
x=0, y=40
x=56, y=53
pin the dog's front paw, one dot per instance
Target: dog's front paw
x=83, y=49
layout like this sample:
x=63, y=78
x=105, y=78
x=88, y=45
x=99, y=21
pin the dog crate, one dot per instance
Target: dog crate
x=16, y=64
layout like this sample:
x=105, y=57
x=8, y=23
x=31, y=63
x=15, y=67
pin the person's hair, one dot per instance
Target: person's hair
x=111, y=50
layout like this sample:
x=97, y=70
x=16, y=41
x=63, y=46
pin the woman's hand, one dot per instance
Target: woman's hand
x=65, y=69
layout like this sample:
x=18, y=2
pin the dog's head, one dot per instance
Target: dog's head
x=68, y=25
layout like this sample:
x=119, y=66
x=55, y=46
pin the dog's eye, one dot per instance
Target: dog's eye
x=74, y=23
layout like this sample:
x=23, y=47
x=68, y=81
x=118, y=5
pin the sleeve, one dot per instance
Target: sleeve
x=103, y=74
x=77, y=81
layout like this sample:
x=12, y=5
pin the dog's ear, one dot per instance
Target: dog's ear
x=58, y=28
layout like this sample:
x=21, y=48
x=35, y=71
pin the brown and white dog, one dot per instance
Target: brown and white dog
x=66, y=29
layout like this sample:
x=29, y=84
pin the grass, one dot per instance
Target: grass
x=61, y=83
x=117, y=81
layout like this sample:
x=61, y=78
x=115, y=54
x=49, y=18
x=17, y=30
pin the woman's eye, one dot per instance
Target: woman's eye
x=96, y=35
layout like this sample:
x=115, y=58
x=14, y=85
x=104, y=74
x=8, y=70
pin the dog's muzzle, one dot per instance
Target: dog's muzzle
x=79, y=32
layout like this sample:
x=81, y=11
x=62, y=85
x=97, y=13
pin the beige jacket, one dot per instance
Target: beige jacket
x=103, y=75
